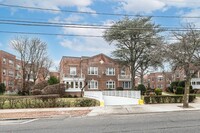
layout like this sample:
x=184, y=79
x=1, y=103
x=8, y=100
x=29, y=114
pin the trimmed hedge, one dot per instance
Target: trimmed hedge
x=166, y=99
x=43, y=101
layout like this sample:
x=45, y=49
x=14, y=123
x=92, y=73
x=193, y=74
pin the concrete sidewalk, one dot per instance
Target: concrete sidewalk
x=146, y=108
x=93, y=111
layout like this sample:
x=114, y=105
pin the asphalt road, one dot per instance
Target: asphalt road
x=171, y=122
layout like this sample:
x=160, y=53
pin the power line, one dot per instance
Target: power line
x=49, y=34
x=94, y=13
x=57, y=34
x=86, y=26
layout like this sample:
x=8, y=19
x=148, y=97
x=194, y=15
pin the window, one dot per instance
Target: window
x=18, y=67
x=193, y=83
x=110, y=71
x=110, y=85
x=93, y=70
x=11, y=62
x=126, y=85
x=177, y=75
x=81, y=85
x=160, y=78
x=72, y=70
x=123, y=71
x=93, y=84
x=76, y=84
x=72, y=85
x=10, y=73
x=4, y=60
x=198, y=83
x=10, y=83
x=4, y=71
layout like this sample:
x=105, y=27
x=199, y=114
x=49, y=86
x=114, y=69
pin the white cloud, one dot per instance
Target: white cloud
x=52, y=4
x=142, y=6
x=149, y=6
x=87, y=44
x=182, y=3
x=94, y=45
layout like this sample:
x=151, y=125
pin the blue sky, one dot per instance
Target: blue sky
x=81, y=46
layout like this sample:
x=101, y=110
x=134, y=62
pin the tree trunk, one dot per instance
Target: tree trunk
x=186, y=94
x=142, y=77
x=187, y=88
x=23, y=81
x=133, y=78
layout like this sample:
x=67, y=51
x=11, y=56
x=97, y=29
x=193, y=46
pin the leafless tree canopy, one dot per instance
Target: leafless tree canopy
x=33, y=55
x=185, y=54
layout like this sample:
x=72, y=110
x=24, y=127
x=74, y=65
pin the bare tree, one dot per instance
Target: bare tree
x=32, y=52
x=22, y=46
x=38, y=54
x=185, y=54
x=132, y=37
x=46, y=64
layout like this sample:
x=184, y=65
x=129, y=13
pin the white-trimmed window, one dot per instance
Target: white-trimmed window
x=123, y=71
x=10, y=83
x=93, y=70
x=4, y=71
x=110, y=71
x=110, y=84
x=126, y=85
x=11, y=62
x=10, y=73
x=4, y=60
x=72, y=70
x=160, y=78
x=93, y=84
x=18, y=67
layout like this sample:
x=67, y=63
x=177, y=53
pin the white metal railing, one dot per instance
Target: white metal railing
x=94, y=94
x=124, y=93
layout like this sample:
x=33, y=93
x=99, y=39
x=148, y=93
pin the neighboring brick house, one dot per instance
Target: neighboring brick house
x=100, y=72
x=179, y=75
x=55, y=74
x=160, y=80
x=10, y=70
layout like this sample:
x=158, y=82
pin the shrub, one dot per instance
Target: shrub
x=2, y=88
x=173, y=86
x=166, y=99
x=158, y=91
x=40, y=85
x=181, y=84
x=53, y=80
x=179, y=90
x=85, y=102
x=119, y=88
x=54, y=89
x=36, y=92
x=142, y=88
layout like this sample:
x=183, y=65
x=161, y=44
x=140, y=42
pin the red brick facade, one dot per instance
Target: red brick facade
x=10, y=71
x=160, y=80
x=100, y=72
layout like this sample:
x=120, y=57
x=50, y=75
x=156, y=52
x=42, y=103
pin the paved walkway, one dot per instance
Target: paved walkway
x=94, y=111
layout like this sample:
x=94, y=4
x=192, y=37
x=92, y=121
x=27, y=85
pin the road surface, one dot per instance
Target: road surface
x=171, y=122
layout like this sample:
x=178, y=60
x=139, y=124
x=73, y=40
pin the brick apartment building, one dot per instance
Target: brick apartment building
x=10, y=73
x=160, y=80
x=100, y=72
